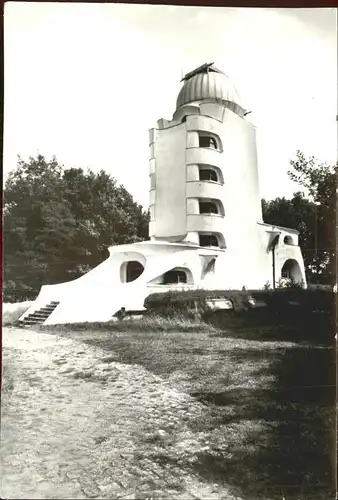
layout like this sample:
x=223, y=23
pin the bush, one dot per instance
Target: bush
x=15, y=292
x=193, y=303
x=12, y=312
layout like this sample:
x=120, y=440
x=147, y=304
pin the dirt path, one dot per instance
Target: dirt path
x=77, y=424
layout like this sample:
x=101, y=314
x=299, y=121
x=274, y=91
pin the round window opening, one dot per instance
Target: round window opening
x=132, y=270
x=288, y=240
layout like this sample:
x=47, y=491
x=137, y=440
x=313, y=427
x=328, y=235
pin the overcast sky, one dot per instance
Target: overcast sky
x=85, y=82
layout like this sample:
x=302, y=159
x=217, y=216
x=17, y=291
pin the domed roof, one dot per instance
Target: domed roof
x=205, y=83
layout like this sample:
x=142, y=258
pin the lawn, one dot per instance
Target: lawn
x=268, y=422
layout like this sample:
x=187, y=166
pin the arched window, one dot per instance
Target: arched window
x=286, y=270
x=207, y=142
x=152, y=181
x=288, y=240
x=208, y=175
x=208, y=207
x=174, y=276
x=208, y=240
x=291, y=270
x=133, y=270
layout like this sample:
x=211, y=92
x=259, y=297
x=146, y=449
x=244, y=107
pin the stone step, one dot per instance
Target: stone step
x=23, y=324
x=37, y=316
x=47, y=309
x=32, y=321
x=38, y=313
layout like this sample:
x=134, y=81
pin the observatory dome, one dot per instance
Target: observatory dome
x=207, y=83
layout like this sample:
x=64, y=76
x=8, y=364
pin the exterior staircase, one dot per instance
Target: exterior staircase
x=38, y=317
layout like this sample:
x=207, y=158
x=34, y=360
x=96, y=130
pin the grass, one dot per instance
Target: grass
x=268, y=406
x=268, y=422
x=143, y=325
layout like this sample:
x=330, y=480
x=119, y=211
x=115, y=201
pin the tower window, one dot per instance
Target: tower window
x=208, y=207
x=208, y=175
x=208, y=240
x=207, y=142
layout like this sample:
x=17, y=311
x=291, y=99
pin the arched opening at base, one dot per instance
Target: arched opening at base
x=131, y=270
x=291, y=270
x=175, y=276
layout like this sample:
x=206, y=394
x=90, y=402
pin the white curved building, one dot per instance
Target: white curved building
x=206, y=228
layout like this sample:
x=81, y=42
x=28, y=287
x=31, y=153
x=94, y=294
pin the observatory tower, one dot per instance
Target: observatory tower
x=203, y=167
x=206, y=229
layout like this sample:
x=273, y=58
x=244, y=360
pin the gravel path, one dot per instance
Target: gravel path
x=78, y=424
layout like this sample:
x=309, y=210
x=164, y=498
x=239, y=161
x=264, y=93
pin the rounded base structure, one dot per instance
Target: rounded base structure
x=132, y=272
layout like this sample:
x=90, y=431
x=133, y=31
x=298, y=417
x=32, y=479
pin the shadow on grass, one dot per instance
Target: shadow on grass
x=293, y=453
x=269, y=407
x=266, y=324
x=294, y=456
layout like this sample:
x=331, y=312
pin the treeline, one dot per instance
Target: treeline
x=59, y=222
x=313, y=213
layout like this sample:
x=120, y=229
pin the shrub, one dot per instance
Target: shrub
x=12, y=312
x=289, y=283
x=193, y=303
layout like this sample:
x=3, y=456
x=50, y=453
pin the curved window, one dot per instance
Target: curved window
x=211, y=141
x=208, y=207
x=207, y=142
x=288, y=240
x=131, y=270
x=152, y=181
x=208, y=240
x=208, y=175
x=174, y=276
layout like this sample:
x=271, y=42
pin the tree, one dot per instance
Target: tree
x=312, y=213
x=320, y=181
x=298, y=213
x=106, y=215
x=59, y=223
x=37, y=225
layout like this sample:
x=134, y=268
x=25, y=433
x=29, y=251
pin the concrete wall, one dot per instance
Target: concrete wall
x=239, y=192
x=169, y=197
x=99, y=294
x=176, y=189
x=284, y=251
x=244, y=259
x=174, y=167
